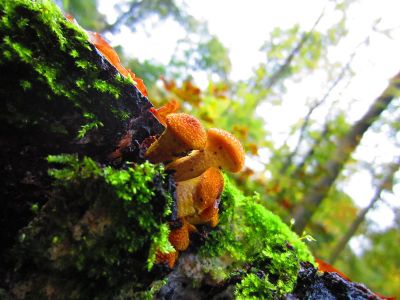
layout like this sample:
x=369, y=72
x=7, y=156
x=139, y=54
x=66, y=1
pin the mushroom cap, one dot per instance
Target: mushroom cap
x=187, y=130
x=223, y=147
x=209, y=189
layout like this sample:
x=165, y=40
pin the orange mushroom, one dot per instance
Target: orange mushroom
x=183, y=133
x=168, y=258
x=208, y=216
x=179, y=238
x=222, y=150
x=196, y=195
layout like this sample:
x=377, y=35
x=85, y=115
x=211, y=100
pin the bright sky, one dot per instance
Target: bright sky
x=243, y=26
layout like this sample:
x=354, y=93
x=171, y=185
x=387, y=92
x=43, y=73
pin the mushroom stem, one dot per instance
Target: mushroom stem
x=185, y=192
x=196, y=195
x=191, y=166
x=165, y=148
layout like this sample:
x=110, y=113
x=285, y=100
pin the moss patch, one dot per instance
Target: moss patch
x=104, y=225
x=258, y=247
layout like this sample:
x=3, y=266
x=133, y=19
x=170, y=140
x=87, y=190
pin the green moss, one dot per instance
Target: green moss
x=106, y=226
x=84, y=65
x=261, y=248
x=74, y=53
x=26, y=85
x=80, y=83
x=133, y=186
x=24, y=54
x=53, y=56
x=93, y=124
x=104, y=87
x=121, y=114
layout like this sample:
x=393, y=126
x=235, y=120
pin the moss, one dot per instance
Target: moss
x=74, y=53
x=112, y=242
x=104, y=87
x=53, y=55
x=26, y=85
x=24, y=54
x=93, y=124
x=261, y=249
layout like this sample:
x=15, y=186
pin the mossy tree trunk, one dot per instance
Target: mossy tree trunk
x=59, y=95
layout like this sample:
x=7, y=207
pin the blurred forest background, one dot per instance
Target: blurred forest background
x=323, y=159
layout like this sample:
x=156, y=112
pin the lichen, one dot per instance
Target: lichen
x=260, y=248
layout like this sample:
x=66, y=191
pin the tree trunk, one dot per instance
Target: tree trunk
x=385, y=183
x=345, y=148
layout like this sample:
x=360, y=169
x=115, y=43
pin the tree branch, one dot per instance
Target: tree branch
x=346, y=146
x=306, y=35
x=387, y=181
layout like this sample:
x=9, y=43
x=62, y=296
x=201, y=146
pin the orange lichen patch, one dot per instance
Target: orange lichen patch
x=179, y=237
x=168, y=258
x=183, y=133
x=162, y=112
x=222, y=150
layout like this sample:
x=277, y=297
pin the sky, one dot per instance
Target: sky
x=243, y=26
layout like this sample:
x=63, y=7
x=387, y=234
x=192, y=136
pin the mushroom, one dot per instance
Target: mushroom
x=196, y=195
x=179, y=237
x=222, y=150
x=183, y=133
x=168, y=258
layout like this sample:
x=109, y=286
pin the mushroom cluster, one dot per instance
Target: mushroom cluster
x=196, y=158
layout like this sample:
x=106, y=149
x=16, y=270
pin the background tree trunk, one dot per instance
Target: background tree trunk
x=304, y=212
x=386, y=183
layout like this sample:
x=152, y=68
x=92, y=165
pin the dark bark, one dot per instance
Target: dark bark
x=53, y=85
x=314, y=285
x=345, y=148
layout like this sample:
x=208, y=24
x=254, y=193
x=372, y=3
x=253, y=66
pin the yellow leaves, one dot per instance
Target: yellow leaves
x=187, y=92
